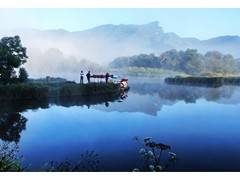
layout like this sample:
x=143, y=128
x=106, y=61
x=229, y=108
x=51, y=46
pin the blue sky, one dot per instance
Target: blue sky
x=200, y=23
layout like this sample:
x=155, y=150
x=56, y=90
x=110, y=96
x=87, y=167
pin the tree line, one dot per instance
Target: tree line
x=189, y=61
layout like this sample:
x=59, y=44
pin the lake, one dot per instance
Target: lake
x=201, y=124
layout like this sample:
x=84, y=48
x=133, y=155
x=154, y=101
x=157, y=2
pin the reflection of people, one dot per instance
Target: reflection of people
x=107, y=76
x=123, y=95
x=88, y=76
x=106, y=104
x=81, y=77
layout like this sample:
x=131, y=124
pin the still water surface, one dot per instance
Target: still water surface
x=201, y=124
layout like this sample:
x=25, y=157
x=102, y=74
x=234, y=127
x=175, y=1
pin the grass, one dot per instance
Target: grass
x=155, y=157
x=140, y=71
x=211, y=74
x=204, y=80
x=23, y=91
x=44, y=91
x=9, y=161
x=88, y=89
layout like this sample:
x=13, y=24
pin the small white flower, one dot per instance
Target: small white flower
x=142, y=151
x=172, y=156
x=136, y=170
x=151, y=167
x=150, y=154
x=147, y=139
x=159, y=168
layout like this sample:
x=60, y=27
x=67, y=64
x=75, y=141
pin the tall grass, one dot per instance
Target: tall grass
x=43, y=91
x=204, y=80
x=23, y=91
x=143, y=71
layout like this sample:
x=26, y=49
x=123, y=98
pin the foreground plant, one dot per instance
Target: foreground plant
x=153, y=153
x=9, y=159
x=88, y=163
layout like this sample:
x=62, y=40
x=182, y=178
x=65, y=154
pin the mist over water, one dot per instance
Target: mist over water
x=59, y=51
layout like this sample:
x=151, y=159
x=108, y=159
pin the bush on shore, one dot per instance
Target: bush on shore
x=204, y=80
x=23, y=91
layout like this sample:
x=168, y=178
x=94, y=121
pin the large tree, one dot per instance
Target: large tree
x=12, y=56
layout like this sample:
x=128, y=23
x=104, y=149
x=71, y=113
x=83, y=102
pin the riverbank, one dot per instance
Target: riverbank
x=45, y=91
x=201, y=80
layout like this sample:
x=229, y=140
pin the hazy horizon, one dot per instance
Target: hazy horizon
x=92, y=38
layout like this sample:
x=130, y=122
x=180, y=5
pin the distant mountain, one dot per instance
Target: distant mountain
x=224, y=44
x=104, y=43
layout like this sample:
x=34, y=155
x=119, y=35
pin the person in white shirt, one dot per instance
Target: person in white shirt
x=81, y=77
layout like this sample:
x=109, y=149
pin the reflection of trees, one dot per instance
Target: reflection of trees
x=11, y=125
x=22, y=105
x=188, y=94
x=84, y=100
x=191, y=94
x=149, y=97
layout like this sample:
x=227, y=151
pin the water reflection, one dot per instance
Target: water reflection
x=151, y=97
x=148, y=98
x=65, y=127
x=12, y=122
x=11, y=126
x=189, y=94
x=23, y=105
x=85, y=100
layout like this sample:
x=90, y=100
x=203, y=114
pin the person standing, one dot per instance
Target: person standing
x=88, y=76
x=107, y=77
x=81, y=77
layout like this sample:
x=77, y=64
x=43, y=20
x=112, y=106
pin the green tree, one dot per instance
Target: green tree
x=170, y=60
x=219, y=63
x=188, y=61
x=192, y=62
x=12, y=56
x=23, y=75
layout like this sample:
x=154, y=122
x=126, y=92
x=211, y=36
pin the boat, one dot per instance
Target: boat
x=124, y=84
x=101, y=76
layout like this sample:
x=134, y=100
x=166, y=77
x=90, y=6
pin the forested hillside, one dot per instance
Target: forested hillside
x=189, y=61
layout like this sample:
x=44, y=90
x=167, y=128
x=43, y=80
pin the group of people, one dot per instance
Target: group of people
x=88, y=75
